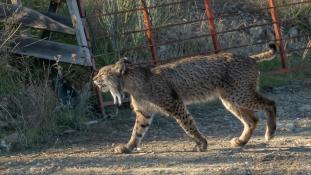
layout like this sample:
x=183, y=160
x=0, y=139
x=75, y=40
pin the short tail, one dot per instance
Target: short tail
x=267, y=55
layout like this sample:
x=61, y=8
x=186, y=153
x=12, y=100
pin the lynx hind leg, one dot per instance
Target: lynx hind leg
x=258, y=102
x=269, y=107
x=254, y=101
x=177, y=109
x=247, y=118
x=141, y=126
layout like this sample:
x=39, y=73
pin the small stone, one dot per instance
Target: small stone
x=305, y=108
x=92, y=122
x=290, y=126
x=4, y=145
x=69, y=131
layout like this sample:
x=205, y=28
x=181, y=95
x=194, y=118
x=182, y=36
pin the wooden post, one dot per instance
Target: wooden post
x=277, y=32
x=211, y=25
x=88, y=38
x=149, y=33
x=78, y=25
x=82, y=11
x=77, y=22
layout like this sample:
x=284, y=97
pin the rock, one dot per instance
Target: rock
x=4, y=145
x=69, y=131
x=92, y=122
x=305, y=108
x=290, y=126
x=9, y=141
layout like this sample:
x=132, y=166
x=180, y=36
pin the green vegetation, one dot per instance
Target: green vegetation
x=296, y=73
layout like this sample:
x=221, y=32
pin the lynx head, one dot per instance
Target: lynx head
x=109, y=78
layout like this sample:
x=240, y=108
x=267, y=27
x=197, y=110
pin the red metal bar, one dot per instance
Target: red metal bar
x=220, y=15
x=149, y=33
x=277, y=32
x=201, y=36
x=211, y=24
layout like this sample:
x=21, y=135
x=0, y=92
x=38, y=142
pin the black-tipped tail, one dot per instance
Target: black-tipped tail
x=267, y=55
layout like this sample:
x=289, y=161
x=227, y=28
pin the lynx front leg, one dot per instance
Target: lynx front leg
x=141, y=126
x=178, y=110
x=188, y=124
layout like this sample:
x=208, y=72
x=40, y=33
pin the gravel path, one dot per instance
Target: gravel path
x=167, y=150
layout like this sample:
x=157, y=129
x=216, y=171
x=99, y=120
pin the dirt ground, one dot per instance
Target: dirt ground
x=167, y=150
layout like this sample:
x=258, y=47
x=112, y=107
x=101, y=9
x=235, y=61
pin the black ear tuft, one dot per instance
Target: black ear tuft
x=121, y=65
x=273, y=47
x=125, y=59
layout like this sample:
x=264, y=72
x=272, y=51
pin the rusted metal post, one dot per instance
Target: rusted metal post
x=211, y=25
x=149, y=33
x=277, y=32
x=82, y=12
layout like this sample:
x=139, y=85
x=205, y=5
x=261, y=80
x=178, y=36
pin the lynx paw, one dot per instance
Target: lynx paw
x=122, y=150
x=201, y=147
x=236, y=142
x=269, y=136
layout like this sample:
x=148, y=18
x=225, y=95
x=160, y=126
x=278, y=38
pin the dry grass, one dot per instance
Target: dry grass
x=29, y=107
x=30, y=112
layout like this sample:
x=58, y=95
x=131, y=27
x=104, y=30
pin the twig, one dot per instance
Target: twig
x=10, y=36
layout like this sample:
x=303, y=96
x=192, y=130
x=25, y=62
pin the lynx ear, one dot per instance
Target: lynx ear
x=121, y=65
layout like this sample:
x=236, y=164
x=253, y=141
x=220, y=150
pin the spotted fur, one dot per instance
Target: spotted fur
x=167, y=88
